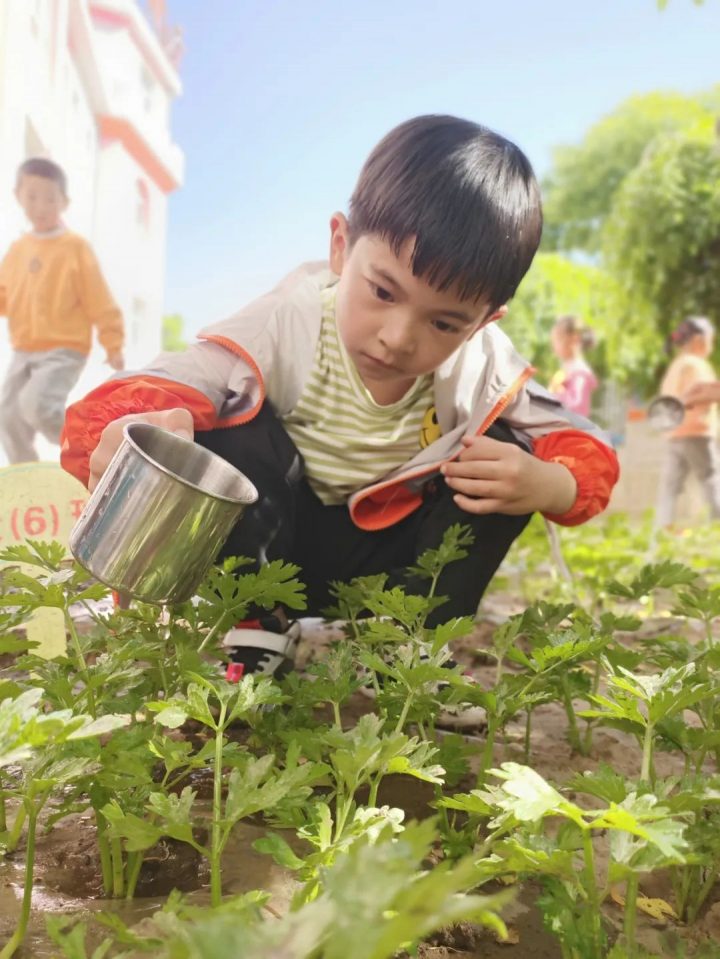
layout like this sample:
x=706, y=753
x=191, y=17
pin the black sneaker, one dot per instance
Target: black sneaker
x=264, y=646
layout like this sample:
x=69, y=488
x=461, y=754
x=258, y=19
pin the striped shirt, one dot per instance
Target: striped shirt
x=348, y=440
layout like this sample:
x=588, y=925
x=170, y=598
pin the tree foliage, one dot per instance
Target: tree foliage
x=639, y=200
x=556, y=285
x=173, y=340
x=662, y=239
x=586, y=177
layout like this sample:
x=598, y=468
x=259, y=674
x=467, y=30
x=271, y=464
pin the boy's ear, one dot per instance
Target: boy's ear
x=339, y=242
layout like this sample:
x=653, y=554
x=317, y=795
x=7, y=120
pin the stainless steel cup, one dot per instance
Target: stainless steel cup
x=665, y=413
x=158, y=517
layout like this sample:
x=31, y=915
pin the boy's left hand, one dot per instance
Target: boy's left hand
x=494, y=477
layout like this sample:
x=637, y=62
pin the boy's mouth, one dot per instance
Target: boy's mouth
x=376, y=363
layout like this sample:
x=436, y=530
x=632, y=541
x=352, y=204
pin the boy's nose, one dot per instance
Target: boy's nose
x=398, y=336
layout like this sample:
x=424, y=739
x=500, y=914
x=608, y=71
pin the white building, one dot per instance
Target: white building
x=90, y=84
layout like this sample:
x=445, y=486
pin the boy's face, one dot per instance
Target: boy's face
x=394, y=325
x=42, y=200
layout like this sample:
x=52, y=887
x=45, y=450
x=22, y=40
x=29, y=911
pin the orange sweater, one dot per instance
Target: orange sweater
x=53, y=292
x=687, y=370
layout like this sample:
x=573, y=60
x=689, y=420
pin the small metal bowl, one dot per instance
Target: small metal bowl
x=665, y=413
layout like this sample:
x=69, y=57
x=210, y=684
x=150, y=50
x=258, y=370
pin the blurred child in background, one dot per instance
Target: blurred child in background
x=575, y=382
x=53, y=293
x=692, y=445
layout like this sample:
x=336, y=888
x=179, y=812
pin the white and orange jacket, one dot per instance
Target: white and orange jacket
x=267, y=351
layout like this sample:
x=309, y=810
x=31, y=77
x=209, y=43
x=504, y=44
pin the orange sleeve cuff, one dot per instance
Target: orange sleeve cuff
x=594, y=466
x=86, y=419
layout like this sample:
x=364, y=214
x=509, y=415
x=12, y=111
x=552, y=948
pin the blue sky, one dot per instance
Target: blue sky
x=283, y=99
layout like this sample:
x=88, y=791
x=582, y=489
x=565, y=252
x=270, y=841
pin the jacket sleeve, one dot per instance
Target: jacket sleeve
x=98, y=303
x=557, y=435
x=197, y=379
x=86, y=419
x=593, y=465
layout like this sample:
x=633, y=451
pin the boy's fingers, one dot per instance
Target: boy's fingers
x=482, y=448
x=474, y=487
x=474, y=469
x=177, y=420
x=480, y=506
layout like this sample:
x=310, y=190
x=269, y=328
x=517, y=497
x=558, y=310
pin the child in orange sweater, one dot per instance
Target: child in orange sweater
x=692, y=447
x=53, y=292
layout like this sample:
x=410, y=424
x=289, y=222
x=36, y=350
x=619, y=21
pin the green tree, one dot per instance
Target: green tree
x=172, y=333
x=662, y=238
x=556, y=285
x=580, y=190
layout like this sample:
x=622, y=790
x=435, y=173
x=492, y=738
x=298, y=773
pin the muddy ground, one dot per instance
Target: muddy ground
x=67, y=869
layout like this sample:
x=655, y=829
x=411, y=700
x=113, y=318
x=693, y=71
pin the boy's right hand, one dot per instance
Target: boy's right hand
x=178, y=421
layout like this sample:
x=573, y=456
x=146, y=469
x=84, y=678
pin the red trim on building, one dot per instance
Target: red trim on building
x=122, y=21
x=115, y=128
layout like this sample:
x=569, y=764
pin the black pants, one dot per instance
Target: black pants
x=289, y=522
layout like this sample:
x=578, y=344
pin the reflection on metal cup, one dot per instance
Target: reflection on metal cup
x=158, y=517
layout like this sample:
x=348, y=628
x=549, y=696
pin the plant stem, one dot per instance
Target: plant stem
x=487, y=756
x=597, y=675
x=647, y=753
x=213, y=632
x=499, y=669
x=135, y=861
x=118, y=870
x=573, y=732
x=592, y=895
x=17, y=828
x=104, y=850
x=342, y=810
x=404, y=714
x=701, y=895
x=631, y=894
x=374, y=786
x=528, y=730
x=336, y=715
x=215, y=843
x=21, y=928
x=709, y=633
x=81, y=664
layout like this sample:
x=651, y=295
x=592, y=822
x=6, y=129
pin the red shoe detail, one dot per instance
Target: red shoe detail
x=234, y=672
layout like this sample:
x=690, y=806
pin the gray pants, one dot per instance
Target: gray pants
x=33, y=399
x=688, y=454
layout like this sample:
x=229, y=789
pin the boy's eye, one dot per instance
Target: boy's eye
x=444, y=327
x=381, y=293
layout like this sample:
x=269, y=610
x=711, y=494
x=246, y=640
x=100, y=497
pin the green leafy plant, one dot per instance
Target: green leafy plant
x=42, y=746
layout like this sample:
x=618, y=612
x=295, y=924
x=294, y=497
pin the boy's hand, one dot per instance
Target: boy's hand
x=116, y=360
x=178, y=421
x=494, y=477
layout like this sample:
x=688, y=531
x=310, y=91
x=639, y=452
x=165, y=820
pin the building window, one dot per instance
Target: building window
x=143, y=204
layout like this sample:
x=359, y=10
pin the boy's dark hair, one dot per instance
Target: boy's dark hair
x=39, y=166
x=467, y=196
